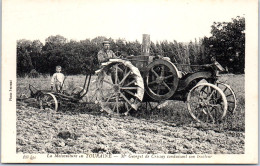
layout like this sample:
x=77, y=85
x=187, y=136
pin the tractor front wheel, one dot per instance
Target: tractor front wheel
x=207, y=103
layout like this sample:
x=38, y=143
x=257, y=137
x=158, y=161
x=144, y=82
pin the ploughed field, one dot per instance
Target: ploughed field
x=84, y=129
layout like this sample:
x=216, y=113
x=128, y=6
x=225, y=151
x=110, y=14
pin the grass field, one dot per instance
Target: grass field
x=168, y=130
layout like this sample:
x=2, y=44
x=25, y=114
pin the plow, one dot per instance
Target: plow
x=123, y=84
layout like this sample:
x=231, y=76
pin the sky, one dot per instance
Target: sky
x=128, y=19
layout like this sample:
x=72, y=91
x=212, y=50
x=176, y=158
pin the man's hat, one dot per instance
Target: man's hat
x=106, y=42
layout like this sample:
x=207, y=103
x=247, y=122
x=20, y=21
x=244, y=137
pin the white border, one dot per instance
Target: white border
x=251, y=85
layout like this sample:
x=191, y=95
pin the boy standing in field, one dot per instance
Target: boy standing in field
x=57, y=80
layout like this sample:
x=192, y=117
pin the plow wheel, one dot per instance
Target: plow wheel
x=120, y=87
x=230, y=95
x=161, y=79
x=48, y=100
x=207, y=103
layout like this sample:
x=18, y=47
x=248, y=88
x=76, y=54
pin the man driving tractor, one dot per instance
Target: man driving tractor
x=105, y=53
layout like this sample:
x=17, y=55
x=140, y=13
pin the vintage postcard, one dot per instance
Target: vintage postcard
x=161, y=81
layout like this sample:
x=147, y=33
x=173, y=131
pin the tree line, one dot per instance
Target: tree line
x=226, y=44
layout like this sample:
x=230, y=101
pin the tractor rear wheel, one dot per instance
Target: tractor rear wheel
x=120, y=87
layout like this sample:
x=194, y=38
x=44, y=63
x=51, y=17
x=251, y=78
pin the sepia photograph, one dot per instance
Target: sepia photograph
x=129, y=81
